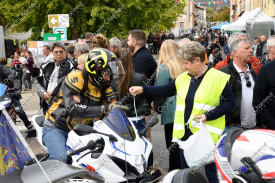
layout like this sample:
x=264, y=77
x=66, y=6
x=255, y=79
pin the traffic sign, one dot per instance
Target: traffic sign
x=62, y=31
x=59, y=20
x=51, y=37
x=53, y=20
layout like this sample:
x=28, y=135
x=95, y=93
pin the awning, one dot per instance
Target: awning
x=219, y=26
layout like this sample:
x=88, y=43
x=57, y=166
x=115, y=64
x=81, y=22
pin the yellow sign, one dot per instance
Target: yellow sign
x=53, y=20
x=59, y=20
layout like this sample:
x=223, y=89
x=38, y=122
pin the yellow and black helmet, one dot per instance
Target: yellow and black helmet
x=97, y=60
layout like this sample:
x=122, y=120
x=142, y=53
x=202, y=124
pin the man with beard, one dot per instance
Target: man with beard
x=143, y=61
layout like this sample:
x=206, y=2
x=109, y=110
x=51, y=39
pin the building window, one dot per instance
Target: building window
x=182, y=26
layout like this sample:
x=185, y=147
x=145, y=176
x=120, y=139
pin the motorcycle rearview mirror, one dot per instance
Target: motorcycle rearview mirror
x=90, y=145
x=81, y=129
x=111, y=137
x=92, y=130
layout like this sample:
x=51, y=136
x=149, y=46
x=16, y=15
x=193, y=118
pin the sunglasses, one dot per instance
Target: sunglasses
x=56, y=52
x=248, y=83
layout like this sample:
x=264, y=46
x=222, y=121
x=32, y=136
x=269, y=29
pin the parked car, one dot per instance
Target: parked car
x=185, y=34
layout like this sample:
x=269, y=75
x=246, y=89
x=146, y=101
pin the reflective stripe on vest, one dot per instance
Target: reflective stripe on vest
x=206, y=98
x=178, y=126
x=180, y=108
x=211, y=129
x=203, y=107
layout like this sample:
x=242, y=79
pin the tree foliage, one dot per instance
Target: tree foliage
x=209, y=14
x=109, y=17
x=218, y=15
x=223, y=15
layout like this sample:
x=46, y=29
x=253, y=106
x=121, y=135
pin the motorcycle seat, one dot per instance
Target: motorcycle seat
x=40, y=120
x=189, y=175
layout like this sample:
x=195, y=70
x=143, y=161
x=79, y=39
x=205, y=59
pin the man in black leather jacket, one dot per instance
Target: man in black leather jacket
x=242, y=82
x=214, y=49
x=51, y=72
x=8, y=77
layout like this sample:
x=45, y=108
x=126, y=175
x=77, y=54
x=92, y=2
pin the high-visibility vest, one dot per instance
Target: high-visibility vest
x=207, y=97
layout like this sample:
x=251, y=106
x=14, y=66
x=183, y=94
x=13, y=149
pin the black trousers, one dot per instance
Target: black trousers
x=27, y=80
x=173, y=148
x=22, y=115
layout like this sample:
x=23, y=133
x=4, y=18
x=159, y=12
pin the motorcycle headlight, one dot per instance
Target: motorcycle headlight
x=140, y=163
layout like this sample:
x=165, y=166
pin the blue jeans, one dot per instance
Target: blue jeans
x=210, y=169
x=55, y=140
x=140, y=125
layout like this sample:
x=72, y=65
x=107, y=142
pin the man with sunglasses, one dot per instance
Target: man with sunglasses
x=242, y=81
x=50, y=73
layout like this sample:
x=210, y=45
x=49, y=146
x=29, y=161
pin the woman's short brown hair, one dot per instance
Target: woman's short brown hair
x=192, y=50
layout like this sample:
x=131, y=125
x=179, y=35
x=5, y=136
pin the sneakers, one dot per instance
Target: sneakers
x=153, y=177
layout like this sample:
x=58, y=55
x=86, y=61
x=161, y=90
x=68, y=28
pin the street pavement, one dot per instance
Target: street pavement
x=30, y=103
x=161, y=155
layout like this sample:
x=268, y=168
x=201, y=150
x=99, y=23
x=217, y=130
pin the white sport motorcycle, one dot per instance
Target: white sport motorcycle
x=117, y=155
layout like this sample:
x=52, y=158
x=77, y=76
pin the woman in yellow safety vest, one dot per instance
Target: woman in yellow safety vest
x=203, y=93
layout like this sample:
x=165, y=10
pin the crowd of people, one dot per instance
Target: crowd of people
x=231, y=97
x=194, y=80
x=154, y=41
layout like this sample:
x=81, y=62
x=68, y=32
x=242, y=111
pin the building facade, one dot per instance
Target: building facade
x=238, y=7
x=200, y=16
x=192, y=16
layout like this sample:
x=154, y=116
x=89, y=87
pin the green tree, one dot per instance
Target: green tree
x=109, y=17
x=223, y=15
x=209, y=14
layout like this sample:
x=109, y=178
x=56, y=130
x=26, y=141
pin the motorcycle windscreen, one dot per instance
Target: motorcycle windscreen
x=120, y=124
x=2, y=89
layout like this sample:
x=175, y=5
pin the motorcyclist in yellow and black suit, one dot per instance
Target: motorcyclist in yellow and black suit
x=83, y=96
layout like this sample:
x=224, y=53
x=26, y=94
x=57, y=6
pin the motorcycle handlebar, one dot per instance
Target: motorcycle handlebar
x=90, y=145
